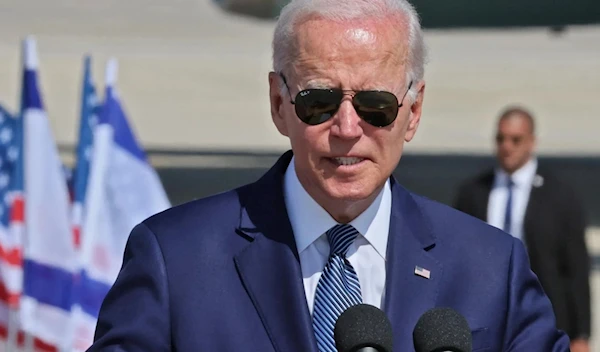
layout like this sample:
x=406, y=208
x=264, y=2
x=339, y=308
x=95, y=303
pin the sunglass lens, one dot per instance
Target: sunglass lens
x=378, y=108
x=315, y=106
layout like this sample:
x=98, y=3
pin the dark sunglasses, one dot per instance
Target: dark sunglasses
x=376, y=107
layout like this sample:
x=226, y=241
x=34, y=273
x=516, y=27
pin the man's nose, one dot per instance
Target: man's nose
x=347, y=122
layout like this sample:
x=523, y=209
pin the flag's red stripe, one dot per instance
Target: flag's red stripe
x=17, y=210
x=10, y=298
x=76, y=236
x=39, y=345
x=20, y=338
x=12, y=256
x=42, y=346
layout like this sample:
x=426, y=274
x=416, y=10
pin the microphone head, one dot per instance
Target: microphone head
x=441, y=330
x=362, y=326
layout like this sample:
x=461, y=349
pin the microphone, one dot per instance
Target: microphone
x=363, y=328
x=442, y=330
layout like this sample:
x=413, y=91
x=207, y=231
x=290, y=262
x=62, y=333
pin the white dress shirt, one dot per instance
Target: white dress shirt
x=523, y=179
x=367, y=254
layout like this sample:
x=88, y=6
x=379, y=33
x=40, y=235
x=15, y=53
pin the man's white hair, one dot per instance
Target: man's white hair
x=347, y=10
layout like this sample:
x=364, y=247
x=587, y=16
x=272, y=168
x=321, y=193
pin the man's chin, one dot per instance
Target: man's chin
x=348, y=192
x=509, y=168
x=507, y=165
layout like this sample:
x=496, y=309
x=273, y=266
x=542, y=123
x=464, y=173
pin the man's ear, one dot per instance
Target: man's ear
x=416, y=110
x=277, y=103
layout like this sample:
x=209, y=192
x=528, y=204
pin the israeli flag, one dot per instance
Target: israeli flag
x=50, y=259
x=123, y=190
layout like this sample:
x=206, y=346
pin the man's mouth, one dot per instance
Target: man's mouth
x=348, y=160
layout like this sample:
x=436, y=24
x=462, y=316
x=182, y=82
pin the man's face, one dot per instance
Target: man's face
x=514, y=142
x=362, y=55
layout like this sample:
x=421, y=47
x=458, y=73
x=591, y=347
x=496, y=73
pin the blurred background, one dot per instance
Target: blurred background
x=193, y=81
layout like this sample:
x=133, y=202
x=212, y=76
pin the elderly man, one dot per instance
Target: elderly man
x=271, y=265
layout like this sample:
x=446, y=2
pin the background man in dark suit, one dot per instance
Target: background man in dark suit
x=533, y=205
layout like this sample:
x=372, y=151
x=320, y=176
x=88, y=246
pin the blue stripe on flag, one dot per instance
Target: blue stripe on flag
x=56, y=287
x=91, y=294
x=124, y=135
x=113, y=114
x=31, y=98
x=48, y=285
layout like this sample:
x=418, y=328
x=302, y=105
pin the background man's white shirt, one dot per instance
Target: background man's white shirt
x=523, y=180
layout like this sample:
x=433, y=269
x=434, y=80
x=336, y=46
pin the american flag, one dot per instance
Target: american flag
x=11, y=216
x=422, y=272
x=88, y=120
x=11, y=206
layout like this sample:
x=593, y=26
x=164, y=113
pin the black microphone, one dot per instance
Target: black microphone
x=363, y=328
x=442, y=330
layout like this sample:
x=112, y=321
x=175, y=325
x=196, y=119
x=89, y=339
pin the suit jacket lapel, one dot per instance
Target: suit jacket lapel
x=409, y=292
x=269, y=267
x=535, y=198
x=483, y=196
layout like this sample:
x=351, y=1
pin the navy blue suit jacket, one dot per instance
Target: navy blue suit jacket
x=223, y=274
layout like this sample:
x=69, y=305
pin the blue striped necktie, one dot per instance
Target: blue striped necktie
x=508, y=210
x=338, y=288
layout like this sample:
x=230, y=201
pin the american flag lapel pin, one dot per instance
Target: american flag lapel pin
x=422, y=272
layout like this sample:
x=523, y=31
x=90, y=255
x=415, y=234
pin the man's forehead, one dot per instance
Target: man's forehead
x=321, y=37
x=361, y=35
x=327, y=45
x=385, y=25
x=515, y=124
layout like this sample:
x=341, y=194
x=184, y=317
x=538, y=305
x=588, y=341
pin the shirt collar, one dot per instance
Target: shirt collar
x=309, y=220
x=521, y=177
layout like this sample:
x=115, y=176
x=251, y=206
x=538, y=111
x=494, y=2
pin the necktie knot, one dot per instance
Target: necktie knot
x=510, y=183
x=340, y=238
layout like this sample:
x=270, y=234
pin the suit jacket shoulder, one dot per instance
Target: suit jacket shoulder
x=205, y=212
x=555, y=184
x=472, y=194
x=205, y=227
x=483, y=179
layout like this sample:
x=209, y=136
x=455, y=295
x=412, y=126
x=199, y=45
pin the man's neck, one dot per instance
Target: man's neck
x=520, y=167
x=344, y=211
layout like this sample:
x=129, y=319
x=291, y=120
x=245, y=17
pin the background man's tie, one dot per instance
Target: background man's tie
x=338, y=288
x=508, y=210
